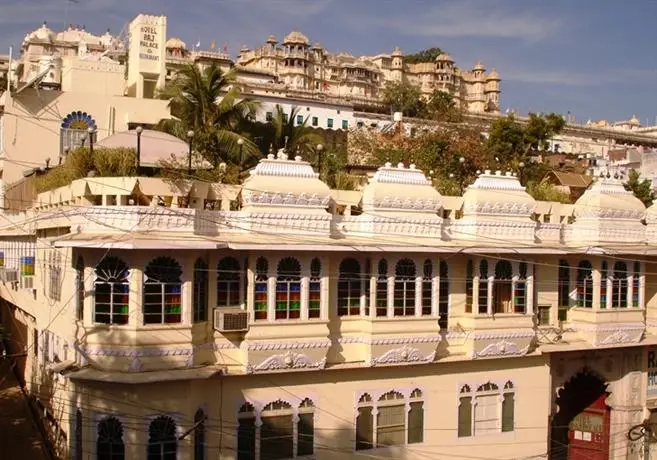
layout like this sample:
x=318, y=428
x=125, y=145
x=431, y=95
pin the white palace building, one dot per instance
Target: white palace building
x=286, y=320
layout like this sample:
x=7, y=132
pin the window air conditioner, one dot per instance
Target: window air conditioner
x=230, y=319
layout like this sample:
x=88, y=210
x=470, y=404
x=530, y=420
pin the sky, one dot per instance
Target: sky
x=593, y=58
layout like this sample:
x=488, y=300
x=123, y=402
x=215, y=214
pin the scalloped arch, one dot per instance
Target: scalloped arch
x=78, y=120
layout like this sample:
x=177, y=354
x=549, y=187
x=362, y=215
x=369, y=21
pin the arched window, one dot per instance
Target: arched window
x=162, y=291
x=483, y=287
x=109, y=442
x=469, y=281
x=306, y=428
x=79, y=288
x=111, y=292
x=365, y=423
x=315, y=289
x=391, y=419
x=502, y=300
x=349, y=291
x=427, y=287
x=619, y=285
x=604, y=276
x=288, y=289
x=229, y=279
x=443, y=296
x=405, y=288
x=246, y=432
x=508, y=407
x=261, y=288
x=416, y=418
x=201, y=281
x=564, y=290
x=465, y=412
x=162, y=439
x=382, y=288
x=199, y=435
x=277, y=431
x=487, y=409
x=520, y=294
x=585, y=284
x=636, y=285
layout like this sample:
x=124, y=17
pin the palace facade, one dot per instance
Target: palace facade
x=299, y=65
x=283, y=319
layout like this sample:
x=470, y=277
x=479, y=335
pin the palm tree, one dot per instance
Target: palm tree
x=208, y=103
x=292, y=135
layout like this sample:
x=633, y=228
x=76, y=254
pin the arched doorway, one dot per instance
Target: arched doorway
x=580, y=429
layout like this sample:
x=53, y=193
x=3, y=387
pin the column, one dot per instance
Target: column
x=435, y=288
x=629, y=277
x=187, y=292
x=642, y=287
x=529, y=288
x=418, y=287
x=597, y=284
x=475, y=289
x=136, y=296
x=373, y=277
x=305, y=286
x=271, y=290
x=491, y=282
x=391, y=289
x=610, y=301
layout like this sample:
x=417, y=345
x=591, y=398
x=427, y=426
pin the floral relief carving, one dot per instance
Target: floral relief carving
x=619, y=337
x=402, y=355
x=501, y=348
x=289, y=360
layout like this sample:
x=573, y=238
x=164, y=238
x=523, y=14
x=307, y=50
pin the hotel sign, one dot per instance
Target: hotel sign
x=149, y=42
x=652, y=373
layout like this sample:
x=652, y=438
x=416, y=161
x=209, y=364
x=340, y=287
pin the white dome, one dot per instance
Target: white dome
x=295, y=37
x=607, y=199
x=175, y=43
x=43, y=33
x=498, y=195
x=400, y=189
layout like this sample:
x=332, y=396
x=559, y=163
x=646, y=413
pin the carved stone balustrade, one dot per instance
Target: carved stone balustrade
x=608, y=326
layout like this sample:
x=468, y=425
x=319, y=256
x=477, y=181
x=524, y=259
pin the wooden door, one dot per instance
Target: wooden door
x=588, y=432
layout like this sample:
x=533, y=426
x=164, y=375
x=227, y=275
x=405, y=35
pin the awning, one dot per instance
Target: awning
x=199, y=373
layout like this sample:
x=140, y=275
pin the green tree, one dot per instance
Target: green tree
x=209, y=103
x=427, y=55
x=543, y=191
x=511, y=142
x=296, y=137
x=402, y=97
x=440, y=106
x=642, y=189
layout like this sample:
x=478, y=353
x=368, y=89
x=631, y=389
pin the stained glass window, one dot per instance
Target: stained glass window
x=349, y=291
x=200, y=299
x=288, y=289
x=27, y=266
x=483, y=287
x=162, y=291
x=261, y=288
x=636, y=284
x=520, y=294
x=585, y=284
x=74, y=128
x=111, y=292
x=619, y=285
x=314, y=289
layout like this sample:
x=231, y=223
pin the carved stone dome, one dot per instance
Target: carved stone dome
x=295, y=37
x=278, y=183
x=607, y=199
x=175, y=43
x=444, y=57
x=479, y=66
x=498, y=195
x=493, y=75
x=400, y=189
x=43, y=33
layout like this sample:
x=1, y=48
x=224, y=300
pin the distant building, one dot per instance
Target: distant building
x=572, y=184
x=298, y=65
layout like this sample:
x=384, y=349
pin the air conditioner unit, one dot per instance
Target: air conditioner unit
x=27, y=282
x=230, y=319
x=9, y=275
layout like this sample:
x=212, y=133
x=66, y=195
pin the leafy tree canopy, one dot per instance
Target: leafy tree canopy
x=642, y=189
x=510, y=141
x=427, y=55
x=402, y=97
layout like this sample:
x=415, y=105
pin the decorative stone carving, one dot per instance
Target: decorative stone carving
x=289, y=360
x=619, y=337
x=135, y=365
x=502, y=348
x=403, y=355
x=391, y=340
x=298, y=345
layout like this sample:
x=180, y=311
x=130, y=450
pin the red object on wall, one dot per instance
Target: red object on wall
x=588, y=432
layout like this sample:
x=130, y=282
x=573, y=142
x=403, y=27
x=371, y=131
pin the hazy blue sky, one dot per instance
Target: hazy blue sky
x=595, y=58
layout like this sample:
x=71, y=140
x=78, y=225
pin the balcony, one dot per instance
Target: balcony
x=493, y=336
x=607, y=327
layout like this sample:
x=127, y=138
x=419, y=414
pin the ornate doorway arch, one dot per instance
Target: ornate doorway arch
x=580, y=429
